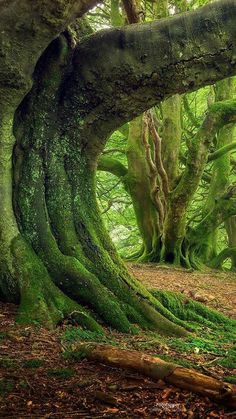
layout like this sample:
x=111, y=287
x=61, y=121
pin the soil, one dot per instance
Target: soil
x=216, y=289
x=38, y=381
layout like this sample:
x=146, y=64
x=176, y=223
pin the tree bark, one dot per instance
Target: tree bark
x=56, y=258
x=206, y=240
x=157, y=369
x=230, y=225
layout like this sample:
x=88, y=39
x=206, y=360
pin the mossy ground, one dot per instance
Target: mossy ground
x=37, y=364
x=212, y=343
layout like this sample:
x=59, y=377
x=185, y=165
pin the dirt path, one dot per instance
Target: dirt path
x=214, y=288
x=38, y=380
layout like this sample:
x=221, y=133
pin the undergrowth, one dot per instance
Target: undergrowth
x=213, y=336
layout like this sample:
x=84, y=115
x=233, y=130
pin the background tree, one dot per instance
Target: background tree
x=162, y=215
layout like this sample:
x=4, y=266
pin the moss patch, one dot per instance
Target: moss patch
x=6, y=386
x=7, y=363
x=34, y=363
x=61, y=373
x=230, y=379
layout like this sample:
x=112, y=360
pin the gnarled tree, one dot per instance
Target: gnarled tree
x=56, y=258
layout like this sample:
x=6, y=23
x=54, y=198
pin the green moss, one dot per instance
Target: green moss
x=192, y=311
x=77, y=355
x=6, y=386
x=229, y=361
x=183, y=362
x=225, y=111
x=230, y=379
x=23, y=384
x=33, y=363
x=74, y=333
x=8, y=363
x=61, y=373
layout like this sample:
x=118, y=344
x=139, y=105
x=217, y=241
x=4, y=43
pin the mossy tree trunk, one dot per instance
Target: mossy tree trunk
x=174, y=244
x=139, y=188
x=230, y=225
x=56, y=257
x=205, y=246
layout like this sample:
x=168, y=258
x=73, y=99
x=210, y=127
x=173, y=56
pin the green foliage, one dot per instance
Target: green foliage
x=73, y=334
x=77, y=355
x=230, y=379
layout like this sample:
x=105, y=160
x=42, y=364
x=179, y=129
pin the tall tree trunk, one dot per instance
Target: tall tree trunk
x=139, y=188
x=56, y=258
x=205, y=246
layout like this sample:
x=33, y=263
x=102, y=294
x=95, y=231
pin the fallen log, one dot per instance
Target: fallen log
x=156, y=368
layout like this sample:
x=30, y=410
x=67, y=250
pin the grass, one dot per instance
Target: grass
x=230, y=379
x=76, y=334
x=3, y=335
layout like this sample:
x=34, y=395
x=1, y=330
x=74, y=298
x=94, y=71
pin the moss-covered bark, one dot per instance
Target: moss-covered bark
x=205, y=235
x=56, y=257
x=230, y=225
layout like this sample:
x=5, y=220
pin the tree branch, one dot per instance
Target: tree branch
x=27, y=28
x=150, y=62
x=221, y=152
x=114, y=166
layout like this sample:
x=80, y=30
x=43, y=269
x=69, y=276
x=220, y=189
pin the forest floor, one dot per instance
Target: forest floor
x=214, y=288
x=40, y=379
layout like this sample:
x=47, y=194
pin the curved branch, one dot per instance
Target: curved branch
x=27, y=28
x=219, y=115
x=222, y=256
x=225, y=208
x=140, y=65
x=221, y=152
x=114, y=166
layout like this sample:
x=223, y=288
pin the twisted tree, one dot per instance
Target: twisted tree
x=59, y=104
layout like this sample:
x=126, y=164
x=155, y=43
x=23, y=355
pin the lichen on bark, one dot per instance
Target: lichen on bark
x=56, y=258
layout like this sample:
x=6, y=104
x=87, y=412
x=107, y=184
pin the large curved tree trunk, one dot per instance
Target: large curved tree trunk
x=56, y=258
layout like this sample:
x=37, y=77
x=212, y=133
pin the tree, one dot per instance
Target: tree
x=56, y=258
x=161, y=195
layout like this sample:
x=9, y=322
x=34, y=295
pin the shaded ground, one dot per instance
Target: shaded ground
x=214, y=288
x=38, y=379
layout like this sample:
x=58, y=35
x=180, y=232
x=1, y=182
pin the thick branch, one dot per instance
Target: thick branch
x=114, y=166
x=224, y=208
x=222, y=256
x=221, y=152
x=219, y=115
x=150, y=62
x=26, y=30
